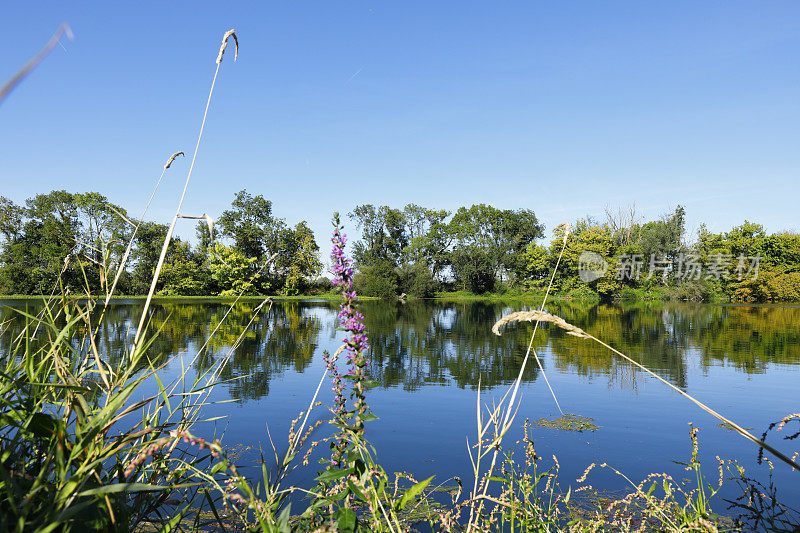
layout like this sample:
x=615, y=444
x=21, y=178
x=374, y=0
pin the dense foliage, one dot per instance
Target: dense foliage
x=482, y=249
x=414, y=251
x=83, y=237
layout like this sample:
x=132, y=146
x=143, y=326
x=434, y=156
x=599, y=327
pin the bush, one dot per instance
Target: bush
x=628, y=294
x=378, y=280
x=772, y=284
x=321, y=285
x=644, y=294
x=696, y=291
x=582, y=292
x=416, y=280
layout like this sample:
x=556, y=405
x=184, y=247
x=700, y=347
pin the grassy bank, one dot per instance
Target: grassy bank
x=627, y=295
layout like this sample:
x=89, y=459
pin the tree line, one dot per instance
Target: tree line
x=81, y=238
x=482, y=249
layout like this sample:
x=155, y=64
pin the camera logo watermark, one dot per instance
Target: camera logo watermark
x=680, y=266
x=591, y=266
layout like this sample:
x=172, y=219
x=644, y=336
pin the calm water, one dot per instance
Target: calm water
x=743, y=361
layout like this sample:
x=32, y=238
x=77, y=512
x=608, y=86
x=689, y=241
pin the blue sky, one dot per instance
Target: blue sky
x=560, y=107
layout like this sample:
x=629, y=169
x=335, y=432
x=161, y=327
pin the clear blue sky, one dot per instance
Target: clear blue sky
x=560, y=107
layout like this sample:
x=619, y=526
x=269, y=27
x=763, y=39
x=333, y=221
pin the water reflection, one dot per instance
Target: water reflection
x=419, y=344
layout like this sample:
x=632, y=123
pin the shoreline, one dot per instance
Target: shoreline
x=443, y=297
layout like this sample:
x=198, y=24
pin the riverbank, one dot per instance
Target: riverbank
x=626, y=295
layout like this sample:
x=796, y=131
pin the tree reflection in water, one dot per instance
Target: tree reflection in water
x=434, y=343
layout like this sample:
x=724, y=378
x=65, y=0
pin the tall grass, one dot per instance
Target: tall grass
x=168, y=238
x=80, y=448
x=63, y=29
x=75, y=431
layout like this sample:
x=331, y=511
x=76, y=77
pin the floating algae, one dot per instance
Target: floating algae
x=569, y=422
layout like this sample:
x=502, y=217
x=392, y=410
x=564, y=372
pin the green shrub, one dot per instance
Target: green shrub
x=583, y=292
x=778, y=284
x=628, y=294
x=416, y=280
x=378, y=280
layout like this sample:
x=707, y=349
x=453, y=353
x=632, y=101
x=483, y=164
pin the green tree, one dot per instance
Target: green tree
x=104, y=233
x=45, y=248
x=663, y=238
x=383, y=235
x=256, y=234
x=474, y=269
x=416, y=280
x=205, y=235
x=585, y=235
x=232, y=270
x=427, y=237
x=146, y=252
x=184, y=273
x=299, y=258
x=13, y=277
x=501, y=236
x=537, y=263
x=251, y=226
x=11, y=216
x=377, y=279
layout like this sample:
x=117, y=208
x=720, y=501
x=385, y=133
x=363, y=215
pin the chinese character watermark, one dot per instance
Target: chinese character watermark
x=684, y=267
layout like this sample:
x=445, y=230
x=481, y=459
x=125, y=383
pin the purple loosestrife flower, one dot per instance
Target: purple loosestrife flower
x=352, y=321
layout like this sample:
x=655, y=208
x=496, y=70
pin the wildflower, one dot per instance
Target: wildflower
x=355, y=344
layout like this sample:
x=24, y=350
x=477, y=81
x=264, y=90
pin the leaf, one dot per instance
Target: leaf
x=346, y=520
x=412, y=492
x=161, y=388
x=121, y=487
x=369, y=417
x=214, y=509
x=357, y=491
x=331, y=475
x=283, y=519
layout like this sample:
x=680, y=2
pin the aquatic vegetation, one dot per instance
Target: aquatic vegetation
x=568, y=422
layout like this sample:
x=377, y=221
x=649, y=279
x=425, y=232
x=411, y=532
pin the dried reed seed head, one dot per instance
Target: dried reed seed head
x=337, y=353
x=171, y=159
x=565, y=226
x=540, y=316
x=266, y=301
x=210, y=222
x=229, y=33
